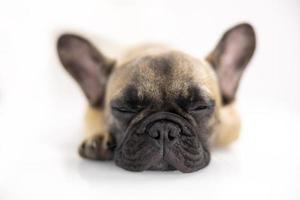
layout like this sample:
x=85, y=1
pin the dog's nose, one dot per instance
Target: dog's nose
x=164, y=131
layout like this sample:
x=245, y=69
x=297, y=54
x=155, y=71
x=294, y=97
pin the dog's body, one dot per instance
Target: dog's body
x=155, y=107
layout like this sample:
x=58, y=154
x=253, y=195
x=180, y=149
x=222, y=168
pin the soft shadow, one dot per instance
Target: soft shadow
x=101, y=171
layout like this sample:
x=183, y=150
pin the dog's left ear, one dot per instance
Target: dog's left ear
x=230, y=57
x=88, y=66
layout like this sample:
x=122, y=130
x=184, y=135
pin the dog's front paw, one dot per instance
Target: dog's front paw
x=96, y=148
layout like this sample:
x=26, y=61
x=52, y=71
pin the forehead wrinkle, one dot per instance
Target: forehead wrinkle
x=146, y=79
x=166, y=75
x=181, y=78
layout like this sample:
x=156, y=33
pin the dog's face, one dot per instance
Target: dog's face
x=161, y=107
x=162, y=111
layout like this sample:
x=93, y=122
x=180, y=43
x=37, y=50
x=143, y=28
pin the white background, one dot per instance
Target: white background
x=41, y=108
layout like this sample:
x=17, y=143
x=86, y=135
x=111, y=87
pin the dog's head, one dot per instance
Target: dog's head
x=161, y=106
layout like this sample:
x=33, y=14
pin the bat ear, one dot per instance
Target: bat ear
x=86, y=65
x=230, y=58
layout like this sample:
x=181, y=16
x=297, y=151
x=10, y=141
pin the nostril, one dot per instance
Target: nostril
x=154, y=134
x=171, y=138
x=171, y=135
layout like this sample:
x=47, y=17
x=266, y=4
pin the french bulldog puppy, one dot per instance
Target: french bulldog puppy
x=157, y=108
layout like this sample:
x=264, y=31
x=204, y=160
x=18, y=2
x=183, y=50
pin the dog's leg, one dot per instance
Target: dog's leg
x=98, y=144
x=229, y=128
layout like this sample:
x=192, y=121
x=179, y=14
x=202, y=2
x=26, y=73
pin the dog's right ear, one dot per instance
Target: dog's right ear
x=87, y=66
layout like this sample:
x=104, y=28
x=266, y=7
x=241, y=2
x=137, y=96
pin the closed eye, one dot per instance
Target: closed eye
x=198, y=107
x=124, y=109
x=194, y=107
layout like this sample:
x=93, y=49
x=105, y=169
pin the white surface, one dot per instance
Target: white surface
x=41, y=107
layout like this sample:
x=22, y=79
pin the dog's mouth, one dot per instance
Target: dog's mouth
x=162, y=141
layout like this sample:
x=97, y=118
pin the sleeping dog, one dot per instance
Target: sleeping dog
x=157, y=108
